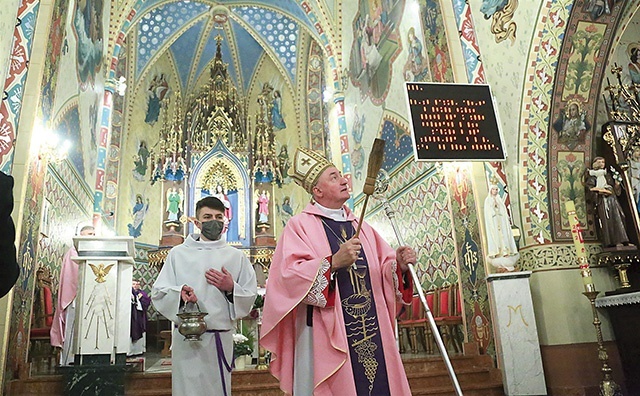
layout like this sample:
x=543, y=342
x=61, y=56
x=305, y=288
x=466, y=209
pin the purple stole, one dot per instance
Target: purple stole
x=360, y=318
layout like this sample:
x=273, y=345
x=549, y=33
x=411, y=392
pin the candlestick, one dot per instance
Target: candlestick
x=581, y=251
x=608, y=387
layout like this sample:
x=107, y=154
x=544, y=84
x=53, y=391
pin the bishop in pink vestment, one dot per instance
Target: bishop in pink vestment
x=315, y=350
x=66, y=295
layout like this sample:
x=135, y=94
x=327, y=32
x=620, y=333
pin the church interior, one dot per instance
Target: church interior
x=122, y=114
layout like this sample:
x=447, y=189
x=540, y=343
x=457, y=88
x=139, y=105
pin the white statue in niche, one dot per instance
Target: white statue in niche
x=502, y=251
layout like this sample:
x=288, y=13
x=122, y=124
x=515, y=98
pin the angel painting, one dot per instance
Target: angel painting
x=140, y=161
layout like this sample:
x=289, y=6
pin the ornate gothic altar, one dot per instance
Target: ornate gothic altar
x=209, y=148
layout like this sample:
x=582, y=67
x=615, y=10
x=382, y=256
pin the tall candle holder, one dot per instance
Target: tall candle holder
x=608, y=386
x=262, y=353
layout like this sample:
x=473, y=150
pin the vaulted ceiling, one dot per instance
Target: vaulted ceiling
x=187, y=31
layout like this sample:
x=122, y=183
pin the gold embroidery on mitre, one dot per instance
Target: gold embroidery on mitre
x=308, y=165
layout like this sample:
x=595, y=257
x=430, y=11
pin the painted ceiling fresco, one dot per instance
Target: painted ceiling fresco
x=188, y=30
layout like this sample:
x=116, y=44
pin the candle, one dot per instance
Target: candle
x=578, y=242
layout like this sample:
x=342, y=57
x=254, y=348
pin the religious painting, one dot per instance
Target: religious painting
x=572, y=125
x=284, y=163
x=571, y=167
x=286, y=209
x=88, y=29
x=276, y=111
x=436, y=42
x=156, y=93
x=139, y=211
x=417, y=66
x=376, y=44
x=501, y=14
x=598, y=8
x=633, y=51
x=140, y=161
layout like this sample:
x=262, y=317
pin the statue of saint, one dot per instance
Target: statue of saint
x=603, y=191
x=502, y=251
x=263, y=207
x=174, y=201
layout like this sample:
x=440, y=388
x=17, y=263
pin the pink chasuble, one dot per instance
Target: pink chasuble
x=66, y=293
x=296, y=266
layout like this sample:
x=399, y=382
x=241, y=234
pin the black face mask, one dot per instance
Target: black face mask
x=212, y=229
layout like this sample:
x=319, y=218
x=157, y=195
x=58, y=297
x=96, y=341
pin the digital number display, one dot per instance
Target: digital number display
x=454, y=122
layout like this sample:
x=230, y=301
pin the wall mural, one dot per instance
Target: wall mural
x=87, y=27
x=13, y=90
x=598, y=8
x=315, y=86
x=572, y=125
x=138, y=213
x=284, y=163
x=471, y=258
x=286, y=208
x=633, y=51
x=417, y=66
x=571, y=140
x=501, y=12
x=424, y=217
x=376, y=44
x=58, y=45
x=398, y=145
x=141, y=162
x=113, y=164
x=436, y=44
x=17, y=364
x=156, y=93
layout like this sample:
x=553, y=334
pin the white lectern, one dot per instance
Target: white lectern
x=516, y=334
x=103, y=302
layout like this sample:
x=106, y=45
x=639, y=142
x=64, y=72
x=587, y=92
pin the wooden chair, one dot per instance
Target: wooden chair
x=42, y=355
x=414, y=318
x=448, y=317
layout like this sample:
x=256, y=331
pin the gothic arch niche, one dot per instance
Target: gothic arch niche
x=220, y=173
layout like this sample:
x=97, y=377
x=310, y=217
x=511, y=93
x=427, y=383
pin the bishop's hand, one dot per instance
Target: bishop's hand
x=348, y=253
x=405, y=255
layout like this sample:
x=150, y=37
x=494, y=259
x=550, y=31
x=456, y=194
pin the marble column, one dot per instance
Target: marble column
x=516, y=335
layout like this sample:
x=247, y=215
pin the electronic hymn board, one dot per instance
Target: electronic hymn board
x=454, y=122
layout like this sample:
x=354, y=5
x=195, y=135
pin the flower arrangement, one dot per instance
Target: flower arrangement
x=241, y=345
